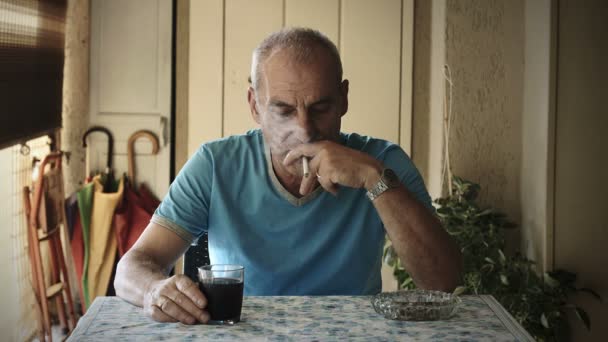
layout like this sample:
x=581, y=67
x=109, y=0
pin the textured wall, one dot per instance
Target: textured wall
x=484, y=48
x=75, y=91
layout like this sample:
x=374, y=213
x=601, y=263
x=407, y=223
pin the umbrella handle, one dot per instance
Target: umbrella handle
x=131, y=149
x=110, y=142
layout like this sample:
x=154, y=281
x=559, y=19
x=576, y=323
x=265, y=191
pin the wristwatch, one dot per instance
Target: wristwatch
x=388, y=180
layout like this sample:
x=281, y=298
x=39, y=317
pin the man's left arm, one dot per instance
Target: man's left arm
x=426, y=250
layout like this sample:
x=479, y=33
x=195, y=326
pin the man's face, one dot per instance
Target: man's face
x=298, y=102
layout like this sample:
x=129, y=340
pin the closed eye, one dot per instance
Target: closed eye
x=321, y=106
x=281, y=108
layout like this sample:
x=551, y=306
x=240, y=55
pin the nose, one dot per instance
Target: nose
x=307, y=130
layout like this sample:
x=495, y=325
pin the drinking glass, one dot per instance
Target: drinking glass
x=223, y=287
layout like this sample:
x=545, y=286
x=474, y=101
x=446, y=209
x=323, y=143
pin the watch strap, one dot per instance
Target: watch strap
x=382, y=185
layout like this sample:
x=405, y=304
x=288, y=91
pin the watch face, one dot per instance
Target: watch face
x=390, y=178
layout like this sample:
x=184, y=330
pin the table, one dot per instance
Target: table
x=322, y=318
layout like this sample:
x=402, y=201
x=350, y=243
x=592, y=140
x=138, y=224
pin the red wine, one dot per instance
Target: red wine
x=224, y=298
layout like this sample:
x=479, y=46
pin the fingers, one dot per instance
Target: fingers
x=308, y=183
x=177, y=299
x=186, y=286
x=320, y=176
x=158, y=315
x=303, y=150
x=168, y=308
x=327, y=184
x=190, y=298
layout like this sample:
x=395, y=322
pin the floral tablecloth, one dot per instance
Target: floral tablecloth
x=316, y=318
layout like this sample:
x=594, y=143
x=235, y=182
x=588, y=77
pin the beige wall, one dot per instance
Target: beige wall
x=484, y=49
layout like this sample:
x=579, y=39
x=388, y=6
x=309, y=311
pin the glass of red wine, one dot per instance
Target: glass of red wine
x=223, y=287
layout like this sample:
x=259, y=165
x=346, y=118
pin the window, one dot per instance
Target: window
x=32, y=34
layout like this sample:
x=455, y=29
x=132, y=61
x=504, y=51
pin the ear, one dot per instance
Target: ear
x=253, y=105
x=344, y=96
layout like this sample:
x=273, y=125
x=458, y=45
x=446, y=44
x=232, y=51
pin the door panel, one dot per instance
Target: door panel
x=321, y=15
x=247, y=23
x=130, y=84
x=205, y=73
x=127, y=54
x=371, y=46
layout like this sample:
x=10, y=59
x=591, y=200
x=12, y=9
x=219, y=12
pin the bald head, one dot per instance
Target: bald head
x=304, y=46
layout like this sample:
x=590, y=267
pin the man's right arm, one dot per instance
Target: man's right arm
x=142, y=278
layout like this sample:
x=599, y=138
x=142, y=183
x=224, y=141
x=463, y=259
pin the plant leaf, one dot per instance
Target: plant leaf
x=489, y=260
x=582, y=315
x=485, y=212
x=504, y=279
x=549, y=280
x=502, y=256
x=406, y=282
x=459, y=290
x=544, y=321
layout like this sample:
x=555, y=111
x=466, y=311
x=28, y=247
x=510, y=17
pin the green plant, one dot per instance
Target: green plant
x=537, y=302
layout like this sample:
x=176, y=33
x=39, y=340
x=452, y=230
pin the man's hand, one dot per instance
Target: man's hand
x=332, y=164
x=175, y=299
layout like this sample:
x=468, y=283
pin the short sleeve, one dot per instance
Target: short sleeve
x=185, y=208
x=397, y=160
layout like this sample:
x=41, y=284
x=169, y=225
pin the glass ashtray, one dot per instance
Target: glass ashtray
x=416, y=305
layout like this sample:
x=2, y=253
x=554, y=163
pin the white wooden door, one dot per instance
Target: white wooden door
x=130, y=84
x=374, y=39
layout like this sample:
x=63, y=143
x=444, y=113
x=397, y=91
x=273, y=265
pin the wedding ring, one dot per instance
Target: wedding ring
x=160, y=305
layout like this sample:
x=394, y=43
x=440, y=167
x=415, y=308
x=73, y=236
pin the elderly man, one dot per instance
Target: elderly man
x=319, y=232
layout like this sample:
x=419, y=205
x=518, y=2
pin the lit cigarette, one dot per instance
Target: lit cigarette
x=305, y=166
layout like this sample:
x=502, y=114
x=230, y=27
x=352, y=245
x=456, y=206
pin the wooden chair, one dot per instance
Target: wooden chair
x=45, y=214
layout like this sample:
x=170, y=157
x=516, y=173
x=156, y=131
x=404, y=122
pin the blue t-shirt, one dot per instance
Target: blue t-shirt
x=315, y=245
